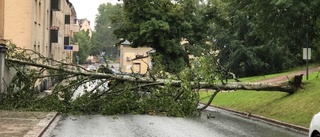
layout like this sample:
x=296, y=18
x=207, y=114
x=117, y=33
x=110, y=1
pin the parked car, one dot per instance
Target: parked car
x=104, y=69
x=91, y=68
x=314, y=130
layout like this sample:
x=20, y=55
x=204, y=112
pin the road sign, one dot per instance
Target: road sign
x=306, y=53
x=68, y=47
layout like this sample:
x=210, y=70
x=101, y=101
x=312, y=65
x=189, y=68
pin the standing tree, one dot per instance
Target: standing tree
x=162, y=24
x=83, y=39
x=103, y=38
x=258, y=37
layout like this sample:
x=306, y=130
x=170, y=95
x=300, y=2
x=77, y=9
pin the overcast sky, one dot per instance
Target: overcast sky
x=89, y=8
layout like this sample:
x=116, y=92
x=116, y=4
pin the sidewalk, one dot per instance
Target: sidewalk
x=24, y=124
x=284, y=78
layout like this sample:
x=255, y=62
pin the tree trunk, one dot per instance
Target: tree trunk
x=283, y=87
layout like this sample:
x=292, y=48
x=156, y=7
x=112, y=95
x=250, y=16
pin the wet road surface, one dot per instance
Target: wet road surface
x=223, y=124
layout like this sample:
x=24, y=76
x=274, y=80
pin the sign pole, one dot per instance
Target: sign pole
x=307, y=71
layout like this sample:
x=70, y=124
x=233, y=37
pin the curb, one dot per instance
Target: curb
x=43, y=124
x=265, y=119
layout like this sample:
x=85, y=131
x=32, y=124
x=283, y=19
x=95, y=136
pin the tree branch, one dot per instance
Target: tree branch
x=210, y=100
x=286, y=87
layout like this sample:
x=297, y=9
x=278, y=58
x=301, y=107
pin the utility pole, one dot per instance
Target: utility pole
x=307, y=49
x=307, y=63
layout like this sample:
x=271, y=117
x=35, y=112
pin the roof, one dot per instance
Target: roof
x=126, y=42
x=83, y=20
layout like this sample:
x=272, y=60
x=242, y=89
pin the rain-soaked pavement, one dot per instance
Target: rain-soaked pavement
x=223, y=125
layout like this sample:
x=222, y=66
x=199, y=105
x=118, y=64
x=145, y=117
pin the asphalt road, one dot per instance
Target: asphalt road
x=223, y=125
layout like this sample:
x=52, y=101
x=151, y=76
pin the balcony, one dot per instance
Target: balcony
x=55, y=5
x=75, y=28
x=54, y=34
x=75, y=47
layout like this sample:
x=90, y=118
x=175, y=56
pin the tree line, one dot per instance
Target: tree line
x=252, y=37
x=228, y=38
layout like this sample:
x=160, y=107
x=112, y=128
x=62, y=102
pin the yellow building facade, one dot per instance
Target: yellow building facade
x=134, y=60
x=29, y=24
x=85, y=26
x=45, y=26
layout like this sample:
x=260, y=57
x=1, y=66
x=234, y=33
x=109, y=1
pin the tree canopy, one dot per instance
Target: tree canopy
x=103, y=38
x=245, y=37
x=253, y=37
x=83, y=39
x=161, y=24
x=108, y=93
x=259, y=37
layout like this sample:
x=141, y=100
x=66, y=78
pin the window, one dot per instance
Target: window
x=54, y=36
x=66, y=19
x=66, y=40
x=55, y=5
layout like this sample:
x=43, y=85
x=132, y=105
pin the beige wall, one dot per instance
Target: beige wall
x=58, y=19
x=19, y=22
x=27, y=23
x=74, y=27
x=86, y=26
x=74, y=24
x=127, y=64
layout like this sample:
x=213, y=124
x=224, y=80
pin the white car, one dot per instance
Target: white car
x=314, y=130
x=91, y=68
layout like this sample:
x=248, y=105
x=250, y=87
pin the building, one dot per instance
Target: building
x=44, y=26
x=26, y=24
x=85, y=26
x=72, y=27
x=134, y=60
x=62, y=29
x=40, y=25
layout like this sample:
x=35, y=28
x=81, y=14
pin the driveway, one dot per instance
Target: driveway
x=284, y=78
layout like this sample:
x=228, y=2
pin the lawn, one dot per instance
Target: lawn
x=297, y=108
x=262, y=77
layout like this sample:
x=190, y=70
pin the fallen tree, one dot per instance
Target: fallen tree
x=108, y=93
x=282, y=87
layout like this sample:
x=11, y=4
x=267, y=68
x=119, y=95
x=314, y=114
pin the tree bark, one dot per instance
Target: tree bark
x=283, y=87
